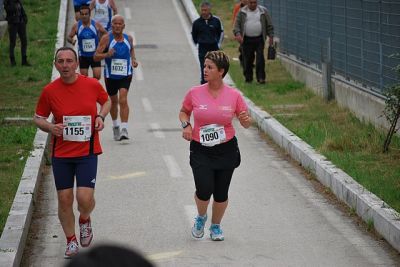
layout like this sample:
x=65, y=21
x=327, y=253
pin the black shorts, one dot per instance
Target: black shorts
x=113, y=85
x=84, y=169
x=213, y=168
x=85, y=62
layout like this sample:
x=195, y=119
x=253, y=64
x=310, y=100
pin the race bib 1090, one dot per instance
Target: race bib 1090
x=212, y=134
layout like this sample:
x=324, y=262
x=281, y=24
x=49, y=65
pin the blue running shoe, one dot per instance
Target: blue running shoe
x=198, y=227
x=216, y=232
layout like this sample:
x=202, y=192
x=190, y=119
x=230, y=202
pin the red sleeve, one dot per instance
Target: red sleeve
x=43, y=108
x=102, y=96
x=187, y=103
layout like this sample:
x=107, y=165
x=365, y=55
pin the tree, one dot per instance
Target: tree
x=392, y=111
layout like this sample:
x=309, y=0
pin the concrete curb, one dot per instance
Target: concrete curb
x=367, y=205
x=13, y=238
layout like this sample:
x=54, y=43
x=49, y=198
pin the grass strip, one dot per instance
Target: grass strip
x=19, y=91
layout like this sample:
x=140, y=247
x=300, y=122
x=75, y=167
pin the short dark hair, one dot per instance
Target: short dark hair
x=84, y=7
x=205, y=3
x=220, y=59
x=65, y=48
x=109, y=255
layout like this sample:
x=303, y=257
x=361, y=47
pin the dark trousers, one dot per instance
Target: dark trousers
x=253, y=47
x=13, y=30
x=203, y=49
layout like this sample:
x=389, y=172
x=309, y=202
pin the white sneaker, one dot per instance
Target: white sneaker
x=116, y=133
x=86, y=233
x=198, y=226
x=216, y=232
x=72, y=249
x=124, y=134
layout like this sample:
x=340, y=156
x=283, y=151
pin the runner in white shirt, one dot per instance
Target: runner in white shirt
x=103, y=12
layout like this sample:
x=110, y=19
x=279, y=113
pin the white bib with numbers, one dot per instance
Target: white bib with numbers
x=77, y=128
x=119, y=66
x=88, y=45
x=212, y=134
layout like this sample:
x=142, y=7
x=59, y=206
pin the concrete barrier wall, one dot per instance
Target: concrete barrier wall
x=364, y=105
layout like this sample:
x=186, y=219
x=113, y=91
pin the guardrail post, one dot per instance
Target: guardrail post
x=326, y=68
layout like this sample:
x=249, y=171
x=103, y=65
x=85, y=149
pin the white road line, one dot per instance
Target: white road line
x=173, y=167
x=164, y=255
x=156, y=130
x=126, y=176
x=138, y=71
x=127, y=13
x=146, y=104
x=182, y=18
x=133, y=38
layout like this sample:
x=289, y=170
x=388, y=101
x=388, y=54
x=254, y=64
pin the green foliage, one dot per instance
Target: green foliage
x=392, y=111
x=19, y=90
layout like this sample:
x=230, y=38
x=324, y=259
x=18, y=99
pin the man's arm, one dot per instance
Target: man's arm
x=194, y=32
x=100, y=55
x=92, y=4
x=72, y=33
x=270, y=28
x=221, y=33
x=44, y=125
x=236, y=29
x=104, y=110
x=113, y=7
x=133, y=57
x=100, y=29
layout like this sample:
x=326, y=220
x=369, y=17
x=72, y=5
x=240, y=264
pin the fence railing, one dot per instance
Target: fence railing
x=364, y=34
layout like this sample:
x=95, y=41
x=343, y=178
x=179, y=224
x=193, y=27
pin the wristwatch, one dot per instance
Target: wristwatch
x=99, y=116
x=185, y=124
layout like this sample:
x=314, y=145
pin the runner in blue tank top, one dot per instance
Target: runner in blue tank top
x=119, y=65
x=88, y=32
x=77, y=7
x=120, y=61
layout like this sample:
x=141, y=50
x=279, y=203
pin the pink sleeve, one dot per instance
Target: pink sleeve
x=187, y=103
x=240, y=104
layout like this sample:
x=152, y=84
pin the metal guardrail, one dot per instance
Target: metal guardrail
x=365, y=36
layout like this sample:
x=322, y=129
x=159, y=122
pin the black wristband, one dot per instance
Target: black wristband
x=99, y=116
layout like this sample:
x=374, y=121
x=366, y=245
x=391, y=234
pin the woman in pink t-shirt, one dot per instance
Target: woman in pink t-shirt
x=214, y=151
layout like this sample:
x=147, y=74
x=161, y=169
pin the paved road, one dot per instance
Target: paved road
x=145, y=187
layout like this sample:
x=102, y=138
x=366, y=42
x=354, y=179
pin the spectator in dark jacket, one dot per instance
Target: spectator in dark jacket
x=17, y=20
x=208, y=33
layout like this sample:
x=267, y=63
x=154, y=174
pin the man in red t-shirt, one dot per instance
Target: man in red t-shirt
x=73, y=100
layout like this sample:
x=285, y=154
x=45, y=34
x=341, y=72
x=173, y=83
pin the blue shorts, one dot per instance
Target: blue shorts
x=66, y=169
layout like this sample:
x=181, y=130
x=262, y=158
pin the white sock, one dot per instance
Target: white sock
x=124, y=125
x=115, y=123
